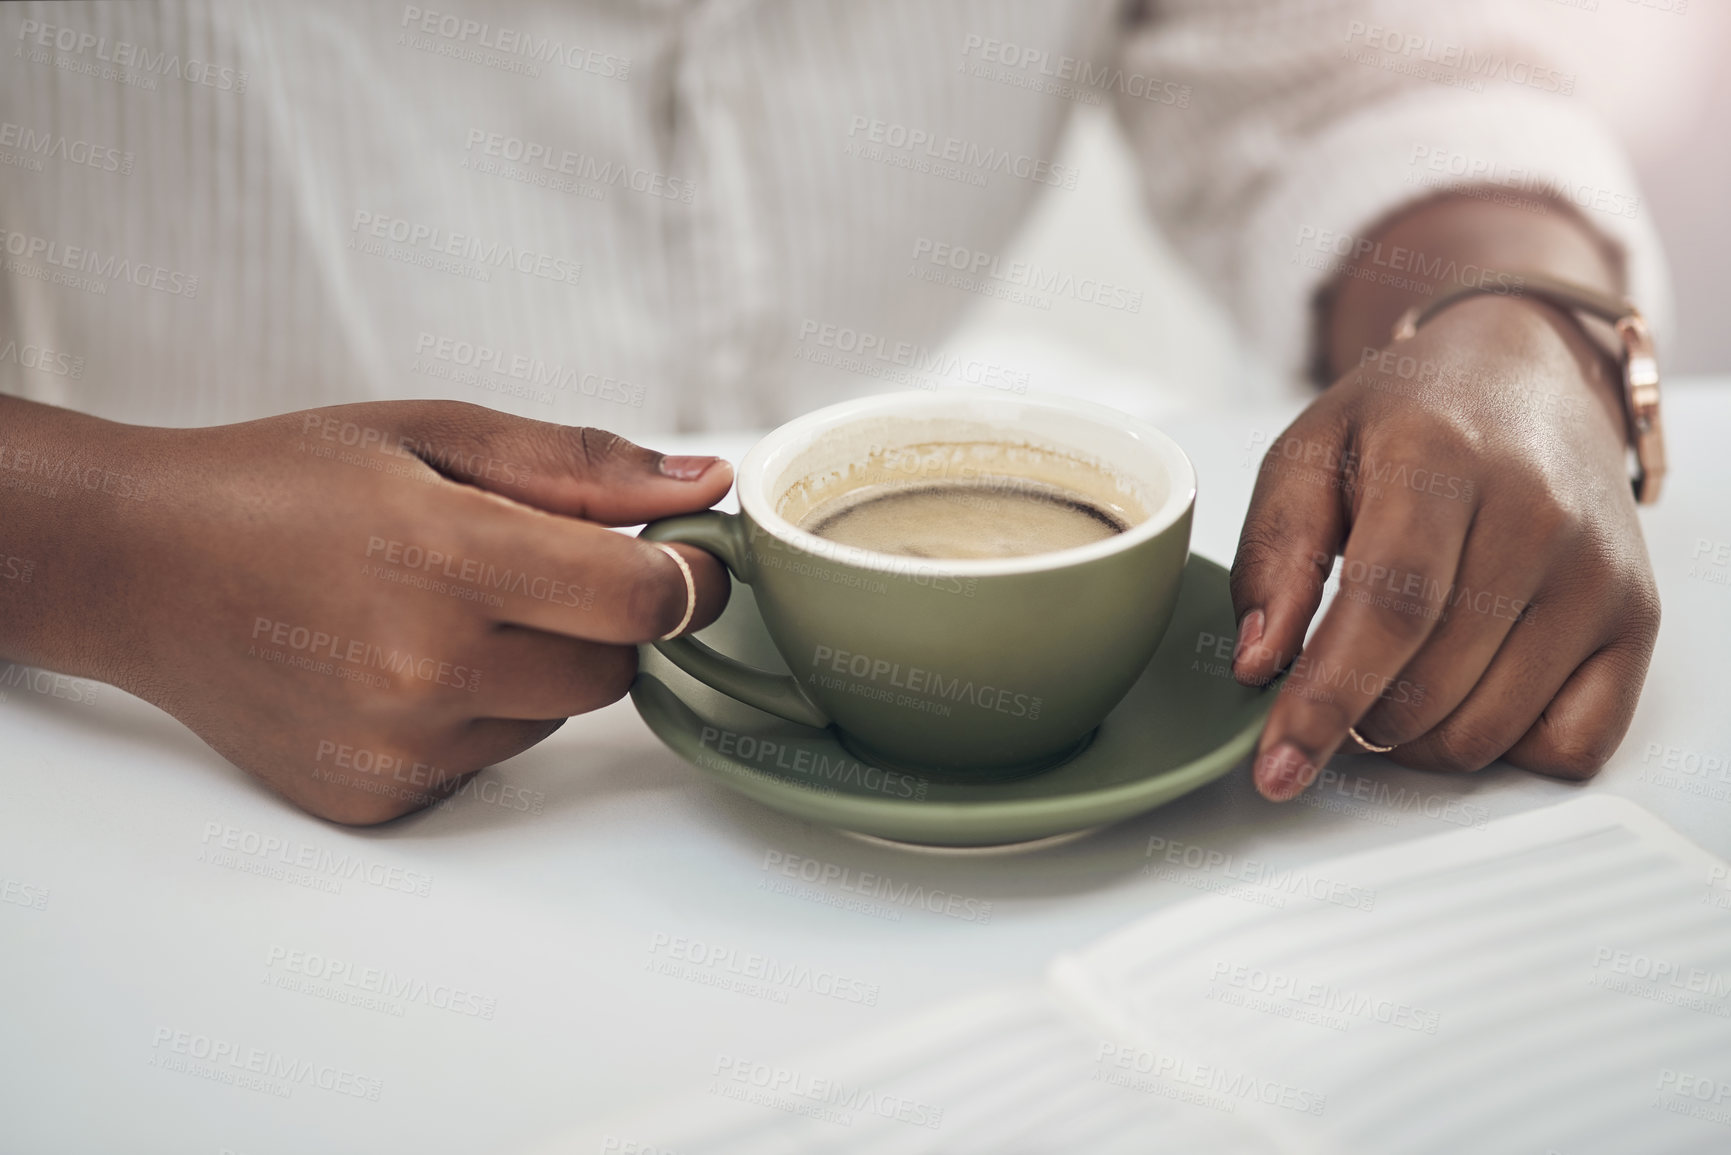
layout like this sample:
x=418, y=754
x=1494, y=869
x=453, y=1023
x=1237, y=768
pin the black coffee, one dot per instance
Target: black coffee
x=1002, y=517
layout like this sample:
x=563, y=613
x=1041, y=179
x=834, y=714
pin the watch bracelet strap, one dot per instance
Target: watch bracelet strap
x=1639, y=363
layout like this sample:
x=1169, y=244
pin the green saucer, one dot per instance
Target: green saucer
x=1184, y=723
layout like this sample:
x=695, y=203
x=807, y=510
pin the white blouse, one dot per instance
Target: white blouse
x=653, y=215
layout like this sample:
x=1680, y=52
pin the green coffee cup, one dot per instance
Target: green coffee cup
x=968, y=669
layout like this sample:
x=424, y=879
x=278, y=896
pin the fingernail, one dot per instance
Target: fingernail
x=1250, y=628
x=1284, y=772
x=686, y=468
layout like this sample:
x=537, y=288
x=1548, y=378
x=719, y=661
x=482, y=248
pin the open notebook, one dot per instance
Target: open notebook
x=1554, y=982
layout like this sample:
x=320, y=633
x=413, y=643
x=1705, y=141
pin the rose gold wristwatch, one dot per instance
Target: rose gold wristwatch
x=1640, y=368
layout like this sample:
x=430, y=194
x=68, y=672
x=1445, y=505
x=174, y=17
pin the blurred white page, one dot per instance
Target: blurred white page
x=1558, y=981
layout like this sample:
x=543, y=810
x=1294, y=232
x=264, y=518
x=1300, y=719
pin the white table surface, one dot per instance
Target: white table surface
x=125, y=933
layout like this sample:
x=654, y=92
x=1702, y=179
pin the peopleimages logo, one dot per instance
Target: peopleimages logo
x=712, y=964
x=577, y=166
x=1324, y=997
x=929, y=690
x=488, y=359
x=968, y=155
x=309, y=645
x=53, y=472
x=225, y=1061
x=45, y=682
x=1119, y=1065
x=1255, y=873
x=270, y=854
x=42, y=359
x=1072, y=77
x=874, y=886
x=817, y=765
x=916, y=358
x=335, y=978
x=1341, y=792
x=1454, y=63
x=31, y=897
x=80, y=259
x=737, y=1077
x=1662, y=980
x=514, y=42
x=1703, y=773
x=58, y=146
x=1336, y=250
x=1439, y=165
x=124, y=55
x=436, y=241
x=976, y=268
x=478, y=572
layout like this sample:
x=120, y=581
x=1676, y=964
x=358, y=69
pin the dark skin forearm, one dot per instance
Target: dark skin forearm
x=1535, y=236
x=66, y=484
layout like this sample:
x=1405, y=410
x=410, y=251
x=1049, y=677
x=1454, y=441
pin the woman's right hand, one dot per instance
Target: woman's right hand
x=360, y=605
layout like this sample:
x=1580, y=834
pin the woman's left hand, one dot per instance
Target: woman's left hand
x=1496, y=600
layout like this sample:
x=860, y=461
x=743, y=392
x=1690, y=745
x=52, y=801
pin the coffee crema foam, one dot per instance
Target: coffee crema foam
x=963, y=501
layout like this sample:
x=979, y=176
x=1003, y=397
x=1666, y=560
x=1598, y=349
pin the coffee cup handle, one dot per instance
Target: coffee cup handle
x=723, y=535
